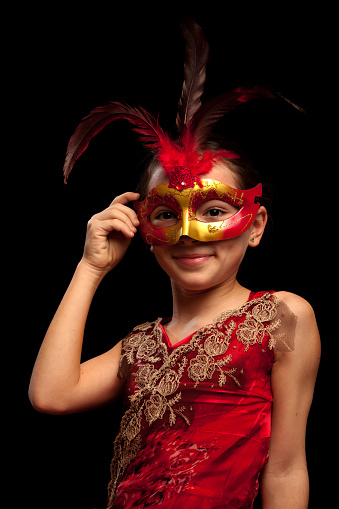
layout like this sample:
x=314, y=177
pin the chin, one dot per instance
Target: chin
x=196, y=283
x=202, y=274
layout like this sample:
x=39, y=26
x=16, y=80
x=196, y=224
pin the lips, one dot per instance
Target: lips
x=193, y=259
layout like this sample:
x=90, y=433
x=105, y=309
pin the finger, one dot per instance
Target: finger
x=126, y=198
x=121, y=212
x=109, y=226
x=128, y=211
x=124, y=216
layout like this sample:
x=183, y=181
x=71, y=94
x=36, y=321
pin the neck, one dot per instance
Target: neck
x=193, y=306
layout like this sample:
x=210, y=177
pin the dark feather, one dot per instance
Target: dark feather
x=196, y=57
x=296, y=106
x=146, y=126
x=208, y=115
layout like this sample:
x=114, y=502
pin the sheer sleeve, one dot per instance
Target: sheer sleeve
x=282, y=328
x=123, y=366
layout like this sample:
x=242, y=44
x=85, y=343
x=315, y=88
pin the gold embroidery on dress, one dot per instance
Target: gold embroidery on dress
x=158, y=388
x=253, y=330
x=204, y=365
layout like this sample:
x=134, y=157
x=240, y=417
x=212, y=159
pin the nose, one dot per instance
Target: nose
x=185, y=239
x=185, y=223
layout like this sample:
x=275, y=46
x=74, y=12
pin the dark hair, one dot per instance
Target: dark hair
x=245, y=174
x=244, y=171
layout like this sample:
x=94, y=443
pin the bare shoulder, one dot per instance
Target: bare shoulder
x=299, y=306
x=293, y=378
x=306, y=334
x=302, y=309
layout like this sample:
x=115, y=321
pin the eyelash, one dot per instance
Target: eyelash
x=162, y=212
x=173, y=216
x=220, y=211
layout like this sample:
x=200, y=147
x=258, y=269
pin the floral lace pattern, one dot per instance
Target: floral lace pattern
x=156, y=374
x=253, y=330
x=212, y=344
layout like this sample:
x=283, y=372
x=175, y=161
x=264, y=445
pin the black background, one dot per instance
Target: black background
x=63, y=66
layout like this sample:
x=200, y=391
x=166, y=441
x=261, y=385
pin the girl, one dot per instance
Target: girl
x=198, y=426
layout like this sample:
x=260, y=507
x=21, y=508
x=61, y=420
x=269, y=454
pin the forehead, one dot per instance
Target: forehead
x=219, y=172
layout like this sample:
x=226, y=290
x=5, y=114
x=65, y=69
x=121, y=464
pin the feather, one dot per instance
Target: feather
x=290, y=102
x=146, y=126
x=196, y=57
x=208, y=115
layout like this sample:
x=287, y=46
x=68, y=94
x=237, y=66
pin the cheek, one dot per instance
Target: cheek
x=162, y=256
x=232, y=251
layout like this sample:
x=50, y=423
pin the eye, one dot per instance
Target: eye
x=163, y=216
x=215, y=210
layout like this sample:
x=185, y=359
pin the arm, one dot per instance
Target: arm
x=285, y=478
x=59, y=383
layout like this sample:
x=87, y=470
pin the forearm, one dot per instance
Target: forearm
x=285, y=490
x=57, y=368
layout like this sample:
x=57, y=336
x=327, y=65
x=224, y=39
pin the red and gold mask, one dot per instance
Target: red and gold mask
x=184, y=158
x=209, y=211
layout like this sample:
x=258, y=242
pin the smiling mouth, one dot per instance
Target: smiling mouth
x=192, y=259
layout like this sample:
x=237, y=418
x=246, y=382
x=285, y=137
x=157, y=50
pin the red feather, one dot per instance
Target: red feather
x=208, y=115
x=146, y=125
x=194, y=121
x=174, y=158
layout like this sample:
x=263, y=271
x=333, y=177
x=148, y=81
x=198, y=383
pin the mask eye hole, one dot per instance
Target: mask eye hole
x=163, y=216
x=215, y=210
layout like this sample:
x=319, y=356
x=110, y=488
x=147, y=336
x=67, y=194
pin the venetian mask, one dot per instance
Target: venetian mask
x=209, y=211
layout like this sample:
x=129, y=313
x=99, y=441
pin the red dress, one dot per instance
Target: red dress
x=197, y=421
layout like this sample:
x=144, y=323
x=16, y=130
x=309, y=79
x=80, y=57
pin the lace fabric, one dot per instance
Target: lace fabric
x=200, y=410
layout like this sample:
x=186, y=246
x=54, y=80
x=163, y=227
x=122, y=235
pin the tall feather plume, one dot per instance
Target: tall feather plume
x=196, y=57
x=147, y=127
x=194, y=122
x=208, y=115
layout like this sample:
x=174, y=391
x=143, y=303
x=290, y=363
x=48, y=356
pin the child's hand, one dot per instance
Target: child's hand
x=109, y=234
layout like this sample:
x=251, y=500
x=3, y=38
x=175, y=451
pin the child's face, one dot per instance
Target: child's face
x=207, y=211
x=197, y=265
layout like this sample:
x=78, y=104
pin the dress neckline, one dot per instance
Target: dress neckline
x=183, y=341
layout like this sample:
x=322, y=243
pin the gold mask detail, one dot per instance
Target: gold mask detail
x=167, y=213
